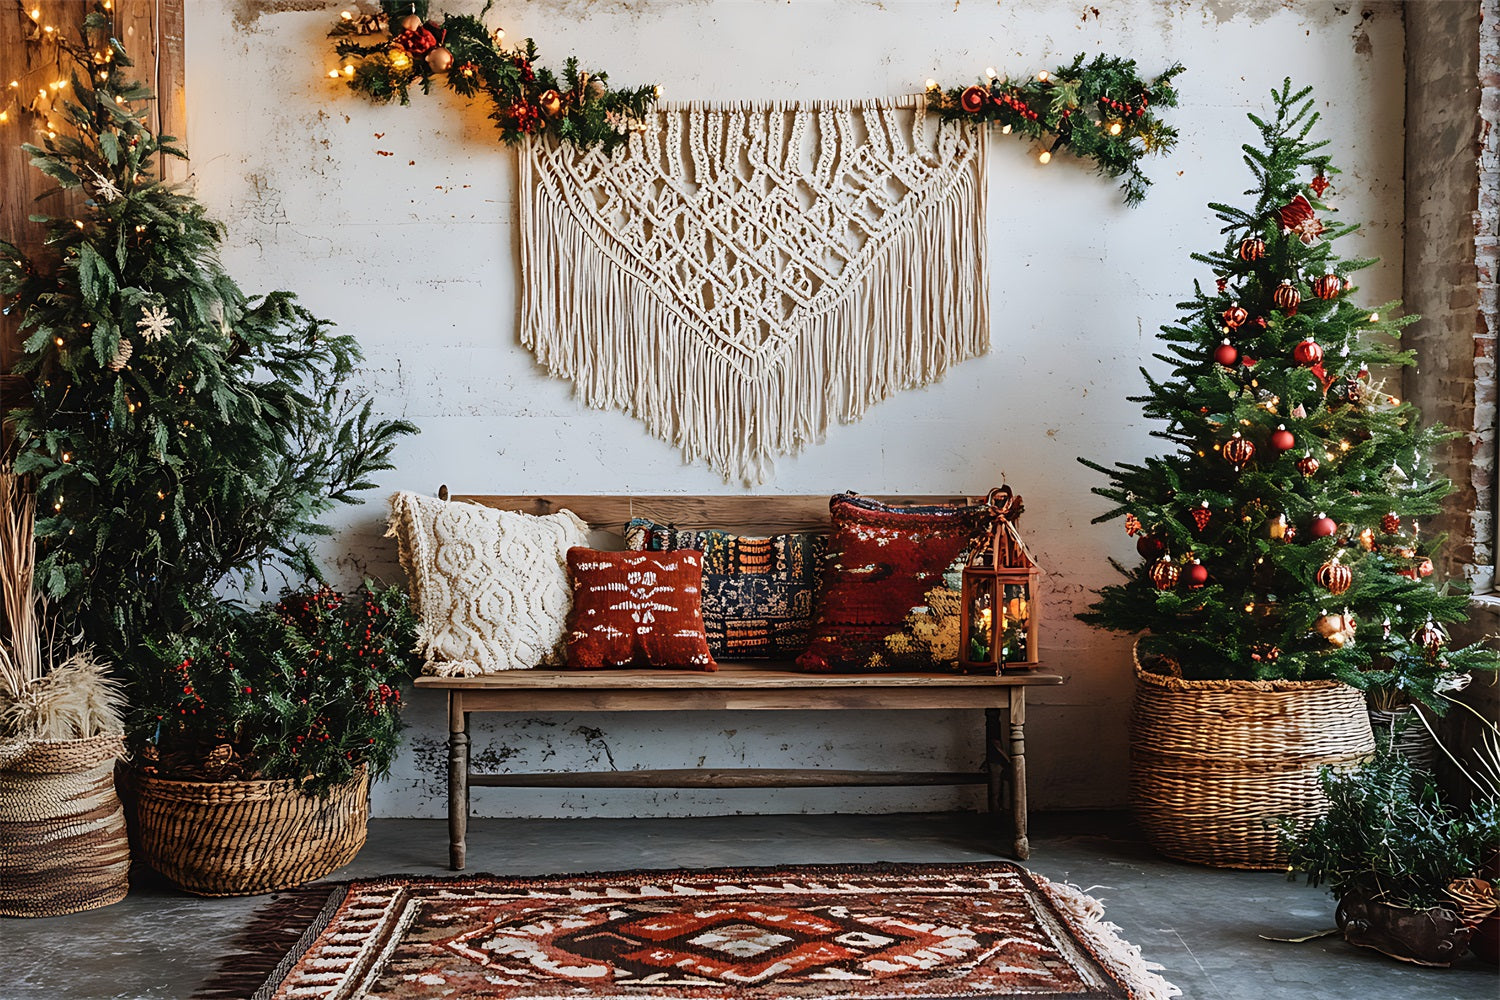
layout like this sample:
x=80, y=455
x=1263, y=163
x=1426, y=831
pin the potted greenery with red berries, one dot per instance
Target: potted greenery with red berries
x=259, y=732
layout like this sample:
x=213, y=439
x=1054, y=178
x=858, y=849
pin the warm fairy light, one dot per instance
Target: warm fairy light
x=656, y=91
x=931, y=83
x=1374, y=317
x=36, y=12
x=14, y=84
x=78, y=223
x=1045, y=156
x=160, y=495
x=1005, y=130
x=348, y=69
x=1115, y=128
x=333, y=74
x=103, y=75
x=989, y=71
x=1344, y=446
x=346, y=15
x=67, y=456
x=498, y=35
x=42, y=92
x=58, y=341
x=119, y=99
x=4, y=117
x=58, y=505
x=1395, y=401
x=1042, y=77
x=58, y=84
x=49, y=29
x=1249, y=608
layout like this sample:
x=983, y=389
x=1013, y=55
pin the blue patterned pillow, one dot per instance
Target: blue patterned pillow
x=757, y=592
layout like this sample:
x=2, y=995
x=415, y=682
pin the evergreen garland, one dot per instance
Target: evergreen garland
x=462, y=53
x=1279, y=539
x=1102, y=111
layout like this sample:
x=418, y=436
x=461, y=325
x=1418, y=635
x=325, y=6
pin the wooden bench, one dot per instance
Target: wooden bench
x=734, y=687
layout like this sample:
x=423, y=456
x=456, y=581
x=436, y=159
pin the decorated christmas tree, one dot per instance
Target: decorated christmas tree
x=178, y=432
x=1280, y=537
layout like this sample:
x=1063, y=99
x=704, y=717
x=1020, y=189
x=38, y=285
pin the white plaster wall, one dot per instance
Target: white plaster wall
x=415, y=251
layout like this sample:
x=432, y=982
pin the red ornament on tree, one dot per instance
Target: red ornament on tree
x=1424, y=568
x=1238, y=451
x=1164, y=573
x=1286, y=298
x=1132, y=525
x=1226, y=354
x=973, y=99
x=1323, y=526
x=1252, y=248
x=1235, y=315
x=1335, y=576
x=1201, y=515
x=1307, y=465
x=1390, y=523
x=1319, y=184
x=1197, y=575
x=1429, y=637
x=1329, y=286
x=1149, y=546
x=1282, y=439
x=1307, y=352
x=1298, y=219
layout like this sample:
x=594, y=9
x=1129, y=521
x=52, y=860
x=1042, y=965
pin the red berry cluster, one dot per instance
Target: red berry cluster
x=1014, y=103
x=528, y=75
x=1121, y=108
x=191, y=700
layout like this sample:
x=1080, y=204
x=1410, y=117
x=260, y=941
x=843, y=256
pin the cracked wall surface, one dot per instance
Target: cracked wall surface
x=399, y=225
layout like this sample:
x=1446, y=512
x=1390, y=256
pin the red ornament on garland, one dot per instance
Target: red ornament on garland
x=1286, y=298
x=1282, y=439
x=1335, y=576
x=1238, y=451
x=1323, y=526
x=973, y=99
x=1201, y=515
x=1307, y=465
x=1226, y=354
x=1390, y=523
x=1197, y=575
x=1235, y=315
x=1252, y=248
x=1149, y=546
x=1164, y=573
x=1329, y=286
x=418, y=41
x=1307, y=352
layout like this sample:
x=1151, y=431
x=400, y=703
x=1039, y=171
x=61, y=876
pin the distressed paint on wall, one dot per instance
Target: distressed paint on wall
x=399, y=225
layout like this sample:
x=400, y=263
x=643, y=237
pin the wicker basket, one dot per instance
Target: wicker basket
x=242, y=838
x=62, y=827
x=1214, y=764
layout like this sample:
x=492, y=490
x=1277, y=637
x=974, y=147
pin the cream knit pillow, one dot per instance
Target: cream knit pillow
x=490, y=586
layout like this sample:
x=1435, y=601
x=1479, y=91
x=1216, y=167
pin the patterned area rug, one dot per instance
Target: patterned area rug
x=856, y=932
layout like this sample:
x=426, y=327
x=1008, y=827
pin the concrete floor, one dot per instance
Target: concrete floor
x=1202, y=924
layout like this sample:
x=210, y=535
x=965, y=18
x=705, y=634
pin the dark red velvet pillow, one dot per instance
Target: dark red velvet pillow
x=882, y=561
x=636, y=609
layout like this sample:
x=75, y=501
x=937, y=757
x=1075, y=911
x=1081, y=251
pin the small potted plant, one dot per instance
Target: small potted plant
x=258, y=735
x=1393, y=853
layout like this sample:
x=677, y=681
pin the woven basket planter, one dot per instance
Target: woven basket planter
x=243, y=838
x=62, y=830
x=1214, y=764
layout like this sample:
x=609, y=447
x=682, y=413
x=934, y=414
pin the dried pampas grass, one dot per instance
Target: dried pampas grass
x=77, y=699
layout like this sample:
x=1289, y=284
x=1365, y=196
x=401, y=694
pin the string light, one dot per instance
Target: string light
x=348, y=69
x=1044, y=157
x=58, y=341
x=1042, y=77
x=4, y=117
x=1374, y=317
x=333, y=74
x=1005, y=130
x=931, y=83
x=345, y=15
x=989, y=71
x=67, y=456
x=1344, y=446
x=1115, y=128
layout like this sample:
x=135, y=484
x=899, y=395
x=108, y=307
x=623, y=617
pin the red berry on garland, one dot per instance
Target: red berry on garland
x=1252, y=248
x=1238, y=451
x=1226, y=354
x=1149, y=546
x=973, y=99
x=1323, y=526
x=1235, y=315
x=1390, y=523
x=1164, y=573
x=1286, y=298
x=1329, y=286
x=1335, y=576
x=1201, y=515
x=1307, y=352
x=524, y=65
x=1197, y=575
x=1282, y=439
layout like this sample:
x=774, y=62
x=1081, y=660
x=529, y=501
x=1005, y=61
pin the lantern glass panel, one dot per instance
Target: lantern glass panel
x=1017, y=622
x=984, y=621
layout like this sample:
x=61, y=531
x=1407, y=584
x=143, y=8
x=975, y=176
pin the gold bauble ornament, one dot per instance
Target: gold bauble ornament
x=411, y=22
x=550, y=102
x=440, y=60
x=1337, y=629
x=399, y=58
x=596, y=88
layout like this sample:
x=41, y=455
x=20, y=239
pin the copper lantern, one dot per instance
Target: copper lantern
x=998, y=627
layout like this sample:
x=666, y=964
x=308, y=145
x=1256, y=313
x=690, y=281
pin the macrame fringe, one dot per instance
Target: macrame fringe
x=920, y=306
x=1086, y=914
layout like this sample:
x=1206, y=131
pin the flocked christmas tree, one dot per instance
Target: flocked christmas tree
x=178, y=432
x=1281, y=535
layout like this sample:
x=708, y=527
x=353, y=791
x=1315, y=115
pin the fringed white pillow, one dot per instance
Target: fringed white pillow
x=490, y=586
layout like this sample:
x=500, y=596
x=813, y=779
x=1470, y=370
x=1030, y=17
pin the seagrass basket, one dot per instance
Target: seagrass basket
x=243, y=838
x=63, y=846
x=1214, y=764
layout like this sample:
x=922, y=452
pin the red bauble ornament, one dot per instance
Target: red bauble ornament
x=1164, y=573
x=1424, y=568
x=1238, y=451
x=1235, y=315
x=1335, y=576
x=1329, y=286
x=1307, y=352
x=1282, y=439
x=1201, y=515
x=1323, y=526
x=1197, y=575
x=1390, y=523
x=1307, y=465
x=973, y=99
x=1226, y=354
x=1252, y=248
x=1149, y=546
x=418, y=41
x=1286, y=298
x=1297, y=218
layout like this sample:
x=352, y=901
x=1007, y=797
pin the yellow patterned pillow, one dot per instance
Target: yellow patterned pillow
x=490, y=586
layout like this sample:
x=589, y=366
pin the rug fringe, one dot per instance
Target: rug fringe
x=1086, y=914
x=278, y=934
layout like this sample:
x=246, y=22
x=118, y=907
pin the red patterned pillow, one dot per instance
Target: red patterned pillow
x=882, y=561
x=637, y=609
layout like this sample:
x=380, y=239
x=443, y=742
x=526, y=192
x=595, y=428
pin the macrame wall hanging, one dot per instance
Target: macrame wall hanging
x=740, y=276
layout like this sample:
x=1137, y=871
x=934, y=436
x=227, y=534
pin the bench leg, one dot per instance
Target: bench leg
x=458, y=781
x=1018, y=770
x=994, y=759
